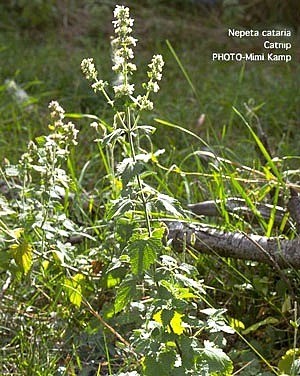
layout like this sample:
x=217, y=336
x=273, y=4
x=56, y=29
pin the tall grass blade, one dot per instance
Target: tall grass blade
x=185, y=73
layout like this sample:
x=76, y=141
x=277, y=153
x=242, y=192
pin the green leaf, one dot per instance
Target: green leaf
x=254, y=327
x=169, y=204
x=289, y=362
x=120, y=207
x=112, y=137
x=216, y=359
x=151, y=367
x=143, y=253
x=125, y=294
x=5, y=259
x=73, y=287
x=22, y=253
x=129, y=169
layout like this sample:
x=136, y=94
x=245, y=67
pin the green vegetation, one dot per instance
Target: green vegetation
x=90, y=283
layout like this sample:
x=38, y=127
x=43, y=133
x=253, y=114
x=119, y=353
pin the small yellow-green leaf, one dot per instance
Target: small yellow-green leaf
x=58, y=256
x=73, y=288
x=176, y=323
x=22, y=253
x=45, y=264
x=236, y=324
x=16, y=232
x=157, y=317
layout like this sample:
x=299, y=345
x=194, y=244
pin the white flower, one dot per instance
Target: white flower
x=99, y=85
x=88, y=69
x=121, y=15
x=57, y=112
x=144, y=103
x=156, y=67
x=121, y=44
x=131, y=67
x=152, y=86
x=124, y=89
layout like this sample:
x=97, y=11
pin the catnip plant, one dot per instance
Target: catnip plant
x=126, y=128
x=38, y=184
x=150, y=280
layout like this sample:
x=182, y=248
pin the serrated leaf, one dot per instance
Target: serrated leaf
x=129, y=169
x=120, y=207
x=142, y=253
x=22, y=253
x=125, y=294
x=170, y=319
x=169, y=204
x=216, y=359
x=5, y=259
x=151, y=367
x=73, y=287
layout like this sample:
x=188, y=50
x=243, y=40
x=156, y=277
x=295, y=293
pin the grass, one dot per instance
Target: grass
x=46, y=63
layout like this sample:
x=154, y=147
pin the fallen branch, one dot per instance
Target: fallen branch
x=276, y=251
x=238, y=206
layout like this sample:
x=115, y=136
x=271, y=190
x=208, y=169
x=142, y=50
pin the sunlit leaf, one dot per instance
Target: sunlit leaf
x=120, y=207
x=22, y=253
x=172, y=320
x=125, y=294
x=236, y=324
x=157, y=317
x=169, y=204
x=143, y=253
x=73, y=287
x=177, y=324
x=216, y=359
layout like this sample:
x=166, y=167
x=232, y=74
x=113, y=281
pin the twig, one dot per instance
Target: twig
x=110, y=328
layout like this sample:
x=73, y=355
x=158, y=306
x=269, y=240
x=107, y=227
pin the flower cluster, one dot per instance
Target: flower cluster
x=57, y=112
x=143, y=103
x=64, y=133
x=88, y=68
x=122, y=55
x=47, y=155
x=122, y=51
x=155, y=73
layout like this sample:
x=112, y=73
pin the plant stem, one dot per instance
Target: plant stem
x=139, y=180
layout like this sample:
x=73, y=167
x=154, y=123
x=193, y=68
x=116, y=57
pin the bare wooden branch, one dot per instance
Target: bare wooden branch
x=238, y=206
x=276, y=251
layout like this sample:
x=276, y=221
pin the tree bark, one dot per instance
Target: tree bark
x=276, y=251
